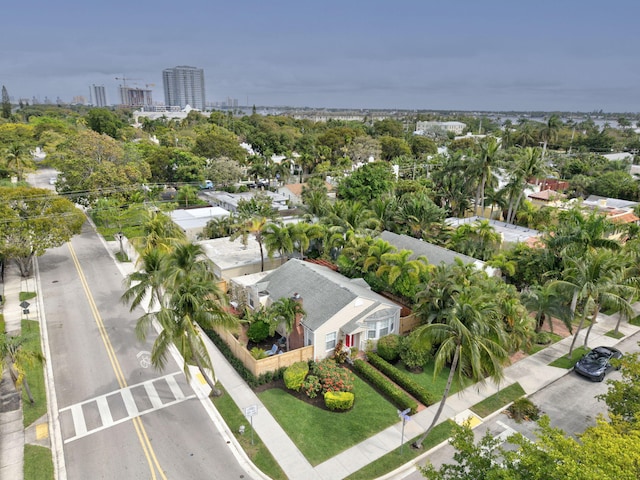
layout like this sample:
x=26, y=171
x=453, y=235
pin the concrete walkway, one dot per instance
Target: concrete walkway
x=532, y=372
x=12, y=433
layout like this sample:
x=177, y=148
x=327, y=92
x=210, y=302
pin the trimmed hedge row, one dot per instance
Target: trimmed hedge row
x=402, y=379
x=397, y=396
x=246, y=375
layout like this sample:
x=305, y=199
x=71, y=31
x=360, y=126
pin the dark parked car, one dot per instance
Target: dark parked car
x=597, y=363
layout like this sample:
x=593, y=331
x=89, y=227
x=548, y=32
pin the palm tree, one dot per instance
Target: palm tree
x=528, y=165
x=547, y=301
x=193, y=303
x=252, y=226
x=188, y=299
x=402, y=273
x=385, y=209
x=550, y=132
x=13, y=353
x=377, y=250
x=485, y=164
x=597, y=279
x=17, y=159
x=469, y=336
x=158, y=231
x=277, y=238
x=146, y=281
x=286, y=310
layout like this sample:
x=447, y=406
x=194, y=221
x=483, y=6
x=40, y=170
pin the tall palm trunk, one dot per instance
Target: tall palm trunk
x=593, y=320
x=454, y=365
x=621, y=314
x=575, y=335
x=215, y=391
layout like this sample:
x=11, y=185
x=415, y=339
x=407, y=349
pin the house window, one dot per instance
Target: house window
x=330, y=340
x=379, y=328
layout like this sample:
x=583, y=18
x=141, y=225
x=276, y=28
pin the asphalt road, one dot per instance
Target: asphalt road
x=570, y=403
x=118, y=417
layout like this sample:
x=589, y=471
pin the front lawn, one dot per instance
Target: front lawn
x=320, y=434
x=568, y=362
x=435, y=386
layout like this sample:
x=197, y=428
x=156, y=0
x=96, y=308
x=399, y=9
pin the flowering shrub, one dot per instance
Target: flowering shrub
x=311, y=386
x=340, y=353
x=332, y=377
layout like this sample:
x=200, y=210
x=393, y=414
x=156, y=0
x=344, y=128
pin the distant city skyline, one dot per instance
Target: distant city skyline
x=408, y=54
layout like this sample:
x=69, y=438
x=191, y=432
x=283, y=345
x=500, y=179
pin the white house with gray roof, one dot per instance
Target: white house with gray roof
x=336, y=307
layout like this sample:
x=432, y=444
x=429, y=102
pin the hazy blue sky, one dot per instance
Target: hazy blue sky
x=579, y=55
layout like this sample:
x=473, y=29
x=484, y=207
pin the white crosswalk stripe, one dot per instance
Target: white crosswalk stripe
x=127, y=396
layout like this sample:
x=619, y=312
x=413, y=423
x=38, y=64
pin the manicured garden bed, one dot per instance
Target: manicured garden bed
x=321, y=434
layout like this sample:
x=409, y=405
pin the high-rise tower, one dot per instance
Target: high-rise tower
x=98, y=95
x=184, y=86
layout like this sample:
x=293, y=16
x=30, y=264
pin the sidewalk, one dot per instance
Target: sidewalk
x=12, y=433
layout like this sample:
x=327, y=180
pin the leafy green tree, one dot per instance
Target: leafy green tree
x=393, y=147
x=34, y=220
x=422, y=146
x=6, y=103
x=367, y=182
x=623, y=396
x=104, y=121
x=217, y=142
x=223, y=171
x=389, y=127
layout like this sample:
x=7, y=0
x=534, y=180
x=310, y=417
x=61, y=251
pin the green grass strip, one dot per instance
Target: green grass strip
x=38, y=463
x=613, y=334
x=257, y=452
x=568, y=362
x=498, y=400
x=635, y=321
x=26, y=296
x=401, y=455
x=35, y=376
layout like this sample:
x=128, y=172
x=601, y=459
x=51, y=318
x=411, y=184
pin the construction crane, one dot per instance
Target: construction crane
x=124, y=80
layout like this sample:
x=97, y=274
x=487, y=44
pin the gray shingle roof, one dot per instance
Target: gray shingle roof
x=323, y=291
x=434, y=253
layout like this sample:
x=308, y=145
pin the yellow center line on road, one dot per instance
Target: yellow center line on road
x=143, y=438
